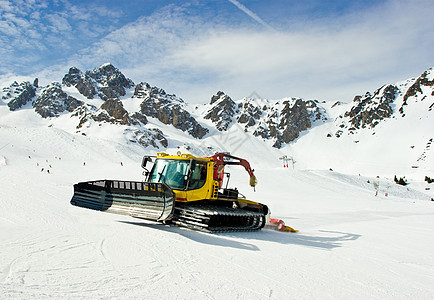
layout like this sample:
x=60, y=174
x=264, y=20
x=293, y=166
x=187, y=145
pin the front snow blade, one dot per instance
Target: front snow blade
x=147, y=200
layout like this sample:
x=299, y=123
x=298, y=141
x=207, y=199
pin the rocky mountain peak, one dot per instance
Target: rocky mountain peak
x=220, y=95
x=280, y=120
x=53, y=101
x=113, y=82
x=222, y=110
x=286, y=118
x=369, y=110
x=19, y=94
x=424, y=80
x=144, y=90
x=423, y=85
x=250, y=113
x=168, y=109
x=84, y=85
x=105, y=81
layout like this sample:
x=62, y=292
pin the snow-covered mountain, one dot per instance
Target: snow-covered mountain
x=392, y=126
x=280, y=121
x=395, y=118
x=412, y=95
x=362, y=236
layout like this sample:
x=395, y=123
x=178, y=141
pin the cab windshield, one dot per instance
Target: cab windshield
x=176, y=174
x=172, y=172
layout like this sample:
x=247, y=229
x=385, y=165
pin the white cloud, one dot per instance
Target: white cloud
x=6, y=6
x=39, y=31
x=194, y=57
x=58, y=23
x=8, y=28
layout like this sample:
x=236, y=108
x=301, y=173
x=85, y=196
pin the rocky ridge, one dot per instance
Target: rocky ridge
x=105, y=81
x=369, y=110
x=389, y=101
x=102, y=99
x=110, y=86
x=222, y=110
x=17, y=95
x=53, y=101
x=281, y=121
x=168, y=109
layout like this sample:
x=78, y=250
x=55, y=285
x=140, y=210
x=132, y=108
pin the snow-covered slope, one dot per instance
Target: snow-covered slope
x=389, y=131
x=361, y=234
x=351, y=244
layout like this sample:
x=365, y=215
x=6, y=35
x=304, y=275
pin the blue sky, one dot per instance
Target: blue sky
x=314, y=49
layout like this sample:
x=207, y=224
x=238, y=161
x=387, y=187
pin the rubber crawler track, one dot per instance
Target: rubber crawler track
x=215, y=219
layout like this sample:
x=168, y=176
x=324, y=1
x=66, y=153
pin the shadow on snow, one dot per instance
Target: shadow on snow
x=325, y=240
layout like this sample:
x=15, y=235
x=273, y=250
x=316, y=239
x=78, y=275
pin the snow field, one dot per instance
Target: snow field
x=351, y=244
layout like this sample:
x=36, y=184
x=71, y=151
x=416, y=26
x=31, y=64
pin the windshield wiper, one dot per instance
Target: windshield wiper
x=161, y=174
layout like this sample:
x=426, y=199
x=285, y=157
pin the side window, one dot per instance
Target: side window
x=198, y=176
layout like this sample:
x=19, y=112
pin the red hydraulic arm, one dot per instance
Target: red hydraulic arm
x=219, y=164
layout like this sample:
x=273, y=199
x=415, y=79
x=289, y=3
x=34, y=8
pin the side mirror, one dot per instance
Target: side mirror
x=145, y=161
